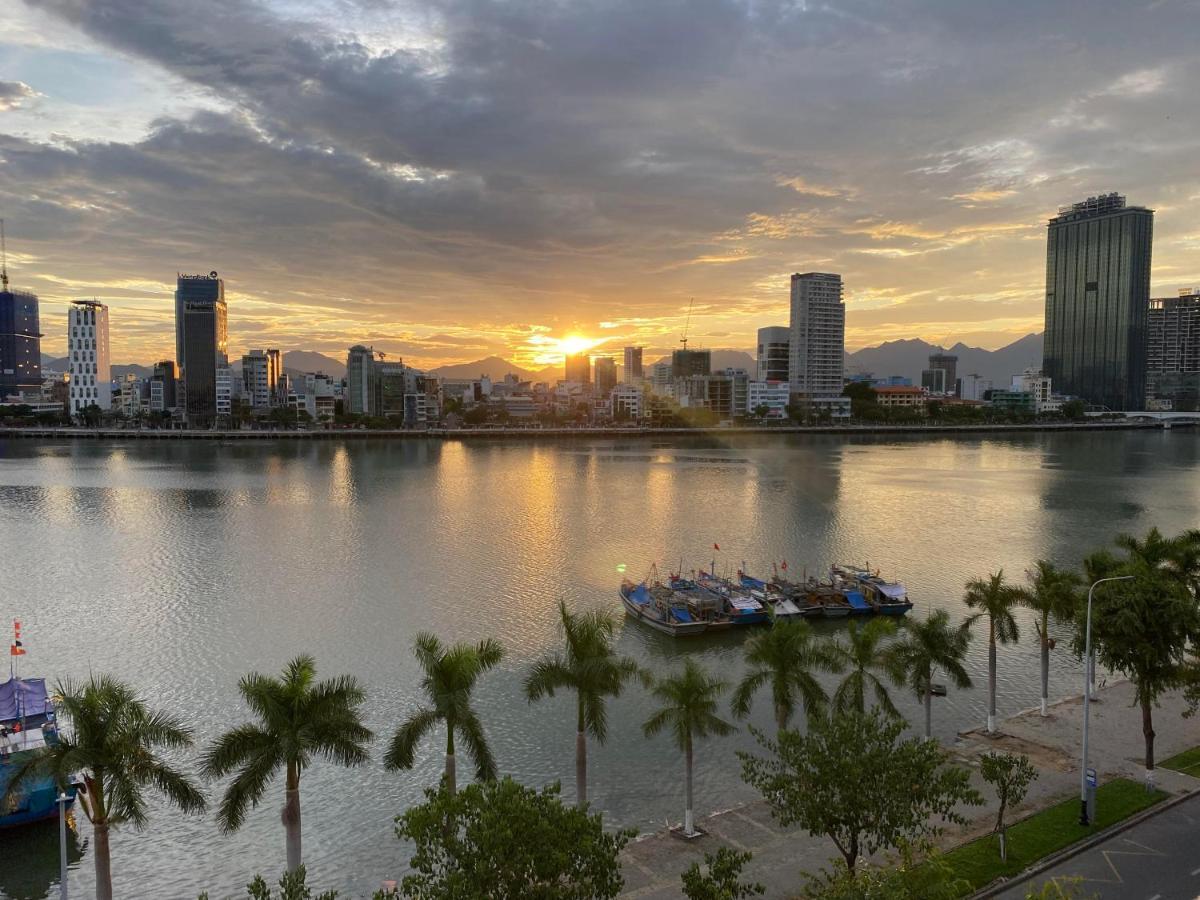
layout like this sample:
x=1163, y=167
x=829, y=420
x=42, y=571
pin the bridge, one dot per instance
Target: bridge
x=1167, y=417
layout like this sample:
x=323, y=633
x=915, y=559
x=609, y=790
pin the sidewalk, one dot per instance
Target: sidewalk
x=652, y=864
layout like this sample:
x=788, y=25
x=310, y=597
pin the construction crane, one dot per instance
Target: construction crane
x=3, y=260
x=687, y=324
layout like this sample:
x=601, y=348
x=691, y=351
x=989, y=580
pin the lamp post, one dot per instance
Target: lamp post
x=63, y=800
x=1087, y=696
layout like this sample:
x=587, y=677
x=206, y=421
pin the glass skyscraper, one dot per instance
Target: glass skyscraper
x=200, y=342
x=1097, y=298
x=20, y=343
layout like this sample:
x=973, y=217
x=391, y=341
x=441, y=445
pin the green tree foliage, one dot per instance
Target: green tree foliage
x=591, y=668
x=911, y=875
x=926, y=646
x=784, y=658
x=299, y=718
x=1074, y=410
x=720, y=879
x=450, y=676
x=862, y=399
x=1052, y=593
x=112, y=743
x=895, y=791
x=862, y=657
x=995, y=599
x=1147, y=628
x=1009, y=775
x=499, y=840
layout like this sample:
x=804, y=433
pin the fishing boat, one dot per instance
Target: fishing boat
x=661, y=608
x=739, y=605
x=782, y=606
x=831, y=601
x=888, y=598
x=28, y=724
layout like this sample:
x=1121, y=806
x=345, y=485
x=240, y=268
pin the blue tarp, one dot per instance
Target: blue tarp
x=681, y=614
x=23, y=697
x=749, y=582
x=640, y=595
x=857, y=600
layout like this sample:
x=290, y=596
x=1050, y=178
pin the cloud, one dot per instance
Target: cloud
x=13, y=94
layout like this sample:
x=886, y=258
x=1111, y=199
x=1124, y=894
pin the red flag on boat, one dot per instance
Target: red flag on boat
x=716, y=546
x=783, y=565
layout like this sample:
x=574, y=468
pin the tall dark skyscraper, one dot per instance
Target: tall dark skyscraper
x=20, y=339
x=578, y=368
x=200, y=341
x=686, y=363
x=1097, y=298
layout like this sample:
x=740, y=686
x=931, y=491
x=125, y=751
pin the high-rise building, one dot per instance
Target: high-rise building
x=774, y=353
x=261, y=370
x=20, y=340
x=934, y=380
x=577, y=368
x=685, y=363
x=162, y=386
x=1173, y=350
x=1097, y=299
x=633, y=365
x=818, y=335
x=605, y=373
x=88, y=364
x=948, y=363
x=200, y=342
x=360, y=361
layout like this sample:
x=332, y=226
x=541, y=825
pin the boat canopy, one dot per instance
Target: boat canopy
x=640, y=595
x=892, y=590
x=23, y=698
x=745, y=604
x=749, y=582
x=857, y=600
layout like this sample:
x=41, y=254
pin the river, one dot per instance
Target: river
x=181, y=565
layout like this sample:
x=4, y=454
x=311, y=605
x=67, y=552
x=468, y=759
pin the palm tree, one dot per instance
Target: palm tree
x=863, y=656
x=690, y=710
x=114, y=735
x=1051, y=592
x=591, y=669
x=784, y=657
x=996, y=600
x=298, y=718
x=926, y=646
x=450, y=676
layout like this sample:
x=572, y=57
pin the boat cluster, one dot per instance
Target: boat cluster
x=706, y=603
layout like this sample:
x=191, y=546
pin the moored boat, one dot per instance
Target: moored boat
x=888, y=598
x=772, y=596
x=27, y=726
x=739, y=605
x=658, y=606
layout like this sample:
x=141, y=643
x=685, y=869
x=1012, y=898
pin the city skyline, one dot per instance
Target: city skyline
x=442, y=218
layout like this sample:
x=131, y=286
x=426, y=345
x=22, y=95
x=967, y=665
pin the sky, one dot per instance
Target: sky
x=451, y=179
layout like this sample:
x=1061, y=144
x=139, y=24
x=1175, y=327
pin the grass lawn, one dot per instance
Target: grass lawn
x=1047, y=832
x=1187, y=762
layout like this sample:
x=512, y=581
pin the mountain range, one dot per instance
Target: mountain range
x=905, y=357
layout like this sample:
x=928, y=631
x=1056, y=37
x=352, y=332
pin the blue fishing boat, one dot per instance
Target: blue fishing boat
x=887, y=598
x=27, y=726
x=773, y=596
x=739, y=605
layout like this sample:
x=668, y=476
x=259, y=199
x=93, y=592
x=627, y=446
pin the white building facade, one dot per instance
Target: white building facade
x=88, y=364
x=773, y=395
x=817, y=335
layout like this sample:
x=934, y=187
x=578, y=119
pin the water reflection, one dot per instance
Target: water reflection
x=29, y=860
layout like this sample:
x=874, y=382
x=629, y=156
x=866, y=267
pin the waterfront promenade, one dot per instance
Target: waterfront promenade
x=652, y=864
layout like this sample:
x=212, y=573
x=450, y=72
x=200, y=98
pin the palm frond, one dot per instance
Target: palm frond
x=401, y=752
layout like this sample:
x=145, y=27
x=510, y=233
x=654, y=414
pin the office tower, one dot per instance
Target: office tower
x=633, y=365
x=88, y=363
x=578, y=368
x=774, y=353
x=162, y=386
x=1097, y=299
x=261, y=372
x=200, y=341
x=605, y=374
x=1173, y=350
x=20, y=337
x=359, y=362
x=934, y=380
x=686, y=363
x=948, y=363
x=818, y=335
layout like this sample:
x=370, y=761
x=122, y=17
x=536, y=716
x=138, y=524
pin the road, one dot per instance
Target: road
x=1158, y=859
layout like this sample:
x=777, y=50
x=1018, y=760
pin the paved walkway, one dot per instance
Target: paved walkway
x=652, y=864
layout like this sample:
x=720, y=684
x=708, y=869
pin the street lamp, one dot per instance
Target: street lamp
x=1087, y=656
x=63, y=800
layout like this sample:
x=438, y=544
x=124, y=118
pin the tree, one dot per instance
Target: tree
x=592, y=669
x=1010, y=776
x=1052, y=593
x=1074, y=409
x=450, y=676
x=862, y=399
x=298, y=718
x=292, y=886
x=501, y=840
x=689, y=710
x=784, y=658
x=1147, y=627
x=916, y=873
x=889, y=795
x=926, y=646
x=761, y=410
x=996, y=600
x=114, y=738
x=863, y=656
x=722, y=880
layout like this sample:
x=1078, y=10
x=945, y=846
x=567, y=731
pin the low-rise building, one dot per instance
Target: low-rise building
x=900, y=396
x=770, y=398
x=1014, y=401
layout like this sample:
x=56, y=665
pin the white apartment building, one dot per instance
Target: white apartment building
x=1033, y=382
x=224, y=389
x=261, y=370
x=628, y=401
x=974, y=387
x=88, y=365
x=774, y=395
x=818, y=335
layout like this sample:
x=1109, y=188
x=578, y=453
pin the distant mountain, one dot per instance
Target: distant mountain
x=310, y=361
x=909, y=357
x=120, y=371
x=54, y=363
x=493, y=367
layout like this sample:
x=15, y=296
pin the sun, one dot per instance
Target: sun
x=575, y=343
